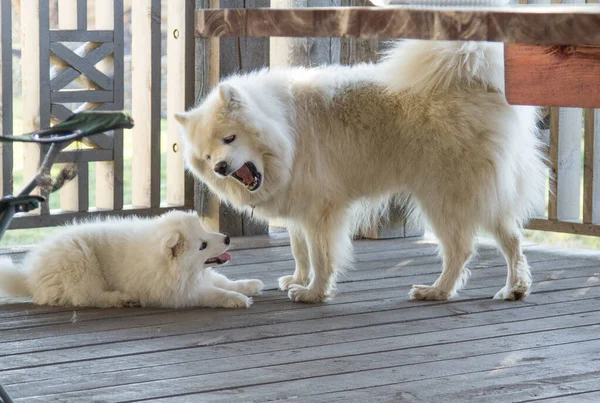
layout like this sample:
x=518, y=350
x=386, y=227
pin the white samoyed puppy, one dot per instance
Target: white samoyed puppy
x=153, y=262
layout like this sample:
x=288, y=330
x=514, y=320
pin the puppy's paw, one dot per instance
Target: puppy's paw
x=299, y=293
x=427, y=293
x=286, y=282
x=252, y=287
x=515, y=293
x=237, y=301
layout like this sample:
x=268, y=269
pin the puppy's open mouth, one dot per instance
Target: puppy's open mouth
x=221, y=259
x=249, y=176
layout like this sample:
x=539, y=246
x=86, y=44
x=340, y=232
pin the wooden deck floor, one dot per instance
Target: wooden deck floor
x=369, y=344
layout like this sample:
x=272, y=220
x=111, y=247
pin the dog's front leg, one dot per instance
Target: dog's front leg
x=301, y=256
x=214, y=297
x=329, y=248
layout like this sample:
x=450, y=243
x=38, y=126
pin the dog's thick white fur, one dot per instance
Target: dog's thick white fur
x=430, y=120
x=116, y=262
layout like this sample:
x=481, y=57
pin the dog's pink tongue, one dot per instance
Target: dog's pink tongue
x=245, y=174
x=226, y=257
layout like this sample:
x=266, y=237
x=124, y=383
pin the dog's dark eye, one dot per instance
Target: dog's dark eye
x=203, y=245
x=229, y=139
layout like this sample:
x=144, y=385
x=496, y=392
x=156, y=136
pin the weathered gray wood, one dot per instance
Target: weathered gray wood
x=569, y=164
x=370, y=335
x=6, y=94
x=81, y=96
x=591, y=168
x=75, y=35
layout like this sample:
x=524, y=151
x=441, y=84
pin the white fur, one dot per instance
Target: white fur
x=430, y=120
x=120, y=262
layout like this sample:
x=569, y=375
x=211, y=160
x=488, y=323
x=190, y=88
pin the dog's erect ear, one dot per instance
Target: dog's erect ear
x=173, y=245
x=230, y=96
x=182, y=118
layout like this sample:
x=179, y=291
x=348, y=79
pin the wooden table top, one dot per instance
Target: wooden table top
x=526, y=24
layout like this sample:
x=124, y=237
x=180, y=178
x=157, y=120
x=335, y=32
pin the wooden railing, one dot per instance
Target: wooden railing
x=60, y=78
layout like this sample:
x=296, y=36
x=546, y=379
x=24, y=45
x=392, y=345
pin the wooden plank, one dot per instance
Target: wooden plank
x=564, y=227
x=574, y=72
x=180, y=95
x=146, y=103
x=73, y=197
x=6, y=97
x=30, y=71
x=30, y=221
x=306, y=349
x=591, y=168
x=75, y=35
x=109, y=174
x=553, y=165
x=330, y=364
x=554, y=25
x=179, y=329
x=570, y=127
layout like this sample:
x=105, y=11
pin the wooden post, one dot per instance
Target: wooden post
x=6, y=94
x=30, y=62
x=568, y=186
x=145, y=47
x=180, y=94
x=591, y=168
x=218, y=58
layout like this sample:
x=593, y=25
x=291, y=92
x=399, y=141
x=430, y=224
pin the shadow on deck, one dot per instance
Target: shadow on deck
x=369, y=344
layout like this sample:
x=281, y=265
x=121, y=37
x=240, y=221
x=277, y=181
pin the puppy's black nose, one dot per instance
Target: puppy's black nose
x=227, y=240
x=221, y=168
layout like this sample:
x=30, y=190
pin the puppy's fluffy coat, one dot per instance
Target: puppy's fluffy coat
x=116, y=262
x=430, y=120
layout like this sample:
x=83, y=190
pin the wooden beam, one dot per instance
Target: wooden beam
x=553, y=75
x=557, y=25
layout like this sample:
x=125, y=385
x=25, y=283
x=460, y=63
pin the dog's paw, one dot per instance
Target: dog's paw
x=427, y=293
x=515, y=293
x=299, y=293
x=252, y=287
x=237, y=301
x=286, y=282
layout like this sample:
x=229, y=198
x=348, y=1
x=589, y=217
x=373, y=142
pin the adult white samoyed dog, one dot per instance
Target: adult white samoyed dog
x=430, y=120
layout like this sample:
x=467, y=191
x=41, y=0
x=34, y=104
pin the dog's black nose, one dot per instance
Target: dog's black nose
x=221, y=168
x=227, y=240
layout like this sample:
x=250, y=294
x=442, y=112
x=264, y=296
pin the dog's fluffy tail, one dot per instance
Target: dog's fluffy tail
x=395, y=210
x=13, y=283
x=430, y=66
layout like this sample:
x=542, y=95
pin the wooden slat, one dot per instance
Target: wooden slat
x=564, y=227
x=570, y=127
x=6, y=96
x=146, y=102
x=180, y=94
x=30, y=66
x=554, y=25
x=591, y=168
x=573, y=71
x=74, y=35
x=73, y=195
x=109, y=174
x=553, y=164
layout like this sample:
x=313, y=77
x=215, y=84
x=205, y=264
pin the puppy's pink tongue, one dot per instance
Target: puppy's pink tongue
x=226, y=257
x=245, y=174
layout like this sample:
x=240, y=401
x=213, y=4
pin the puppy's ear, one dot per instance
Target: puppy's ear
x=173, y=245
x=231, y=97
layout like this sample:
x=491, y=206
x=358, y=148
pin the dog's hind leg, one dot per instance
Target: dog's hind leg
x=457, y=248
x=301, y=256
x=329, y=248
x=518, y=280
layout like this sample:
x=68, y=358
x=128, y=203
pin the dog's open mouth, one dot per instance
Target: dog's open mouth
x=221, y=259
x=249, y=176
